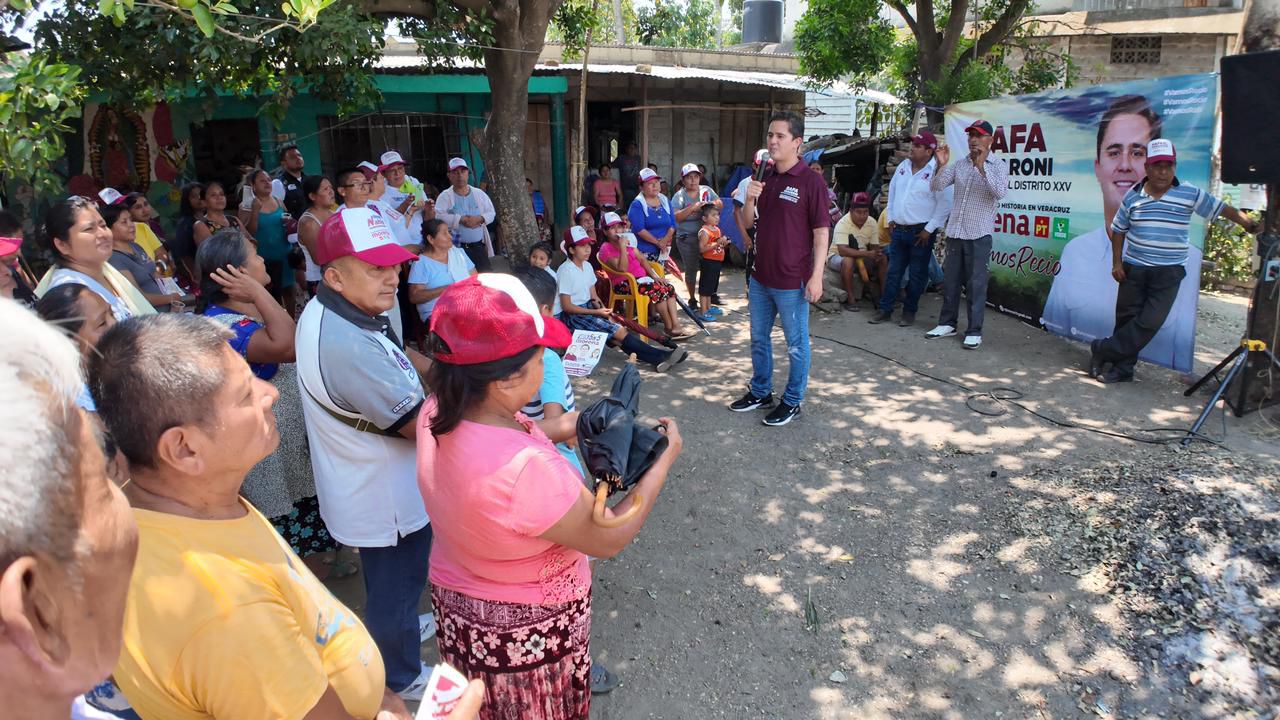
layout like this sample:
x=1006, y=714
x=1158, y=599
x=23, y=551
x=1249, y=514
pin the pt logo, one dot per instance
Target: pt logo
x=1060, y=227
x=1042, y=226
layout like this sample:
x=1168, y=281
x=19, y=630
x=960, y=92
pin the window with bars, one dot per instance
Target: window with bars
x=425, y=141
x=1135, y=50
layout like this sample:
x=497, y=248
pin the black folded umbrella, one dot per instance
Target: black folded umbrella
x=617, y=450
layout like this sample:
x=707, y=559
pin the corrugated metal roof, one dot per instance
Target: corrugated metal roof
x=781, y=81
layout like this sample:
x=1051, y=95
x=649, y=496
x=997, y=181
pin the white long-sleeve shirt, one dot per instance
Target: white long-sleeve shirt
x=913, y=202
x=448, y=200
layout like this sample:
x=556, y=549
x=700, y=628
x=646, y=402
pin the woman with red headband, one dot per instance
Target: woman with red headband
x=511, y=584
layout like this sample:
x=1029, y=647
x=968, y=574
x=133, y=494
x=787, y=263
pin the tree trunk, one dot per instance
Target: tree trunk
x=521, y=25
x=578, y=170
x=619, y=33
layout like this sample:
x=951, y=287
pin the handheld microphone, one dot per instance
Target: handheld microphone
x=763, y=162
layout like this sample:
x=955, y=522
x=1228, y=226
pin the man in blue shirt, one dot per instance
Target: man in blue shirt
x=1154, y=218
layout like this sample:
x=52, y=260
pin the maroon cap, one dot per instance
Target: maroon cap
x=359, y=232
x=925, y=138
x=492, y=316
x=860, y=200
x=981, y=127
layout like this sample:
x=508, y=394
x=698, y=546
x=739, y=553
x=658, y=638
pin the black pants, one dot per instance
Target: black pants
x=1143, y=303
x=479, y=256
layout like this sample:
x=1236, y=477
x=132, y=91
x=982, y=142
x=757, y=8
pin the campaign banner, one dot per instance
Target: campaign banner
x=1072, y=155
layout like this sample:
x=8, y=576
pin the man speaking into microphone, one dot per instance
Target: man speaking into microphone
x=788, y=206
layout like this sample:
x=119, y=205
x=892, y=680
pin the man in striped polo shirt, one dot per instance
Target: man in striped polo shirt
x=1154, y=218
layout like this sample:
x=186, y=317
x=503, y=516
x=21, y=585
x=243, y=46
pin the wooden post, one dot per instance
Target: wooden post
x=644, y=122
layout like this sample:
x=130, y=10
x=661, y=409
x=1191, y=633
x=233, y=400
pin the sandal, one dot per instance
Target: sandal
x=343, y=569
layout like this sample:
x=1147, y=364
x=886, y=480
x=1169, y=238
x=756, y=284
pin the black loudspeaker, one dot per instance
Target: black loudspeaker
x=1250, y=106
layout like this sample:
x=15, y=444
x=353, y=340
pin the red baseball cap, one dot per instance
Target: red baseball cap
x=360, y=232
x=491, y=316
x=924, y=138
x=982, y=127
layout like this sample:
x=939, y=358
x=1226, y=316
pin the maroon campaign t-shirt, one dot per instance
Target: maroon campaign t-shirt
x=792, y=205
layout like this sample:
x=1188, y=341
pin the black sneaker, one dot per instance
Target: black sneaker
x=879, y=317
x=715, y=300
x=782, y=414
x=751, y=402
x=1113, y=376
x=1095, y=363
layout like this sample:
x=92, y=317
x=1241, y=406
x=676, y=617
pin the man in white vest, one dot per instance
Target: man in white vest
x=467, y=211
x=360, y=395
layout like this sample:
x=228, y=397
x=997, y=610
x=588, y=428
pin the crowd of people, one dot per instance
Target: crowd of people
x=197, y=425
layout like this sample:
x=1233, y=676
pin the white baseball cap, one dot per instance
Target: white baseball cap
x=611, y=219
x=455, y=163
x=1161, y=150
x=578, y=235
x=390, y=158
x=648, y=174
x=368, y=168
x=111, y=196
x=690, y=168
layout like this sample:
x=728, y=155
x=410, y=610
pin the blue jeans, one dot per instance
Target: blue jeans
x=394, y=580
x=905, y=257
x=766, y=303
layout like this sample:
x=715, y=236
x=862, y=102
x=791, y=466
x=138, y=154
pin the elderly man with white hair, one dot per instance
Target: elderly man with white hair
x=67, y=538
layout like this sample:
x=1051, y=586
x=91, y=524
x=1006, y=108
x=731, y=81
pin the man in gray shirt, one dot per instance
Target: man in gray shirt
x=360, y=396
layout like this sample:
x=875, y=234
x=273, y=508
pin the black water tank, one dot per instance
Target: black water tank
x=762, y=21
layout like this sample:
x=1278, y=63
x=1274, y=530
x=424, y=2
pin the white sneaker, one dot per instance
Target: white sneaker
x=972, y=342
x=941, y=331
x=426, y=627
x=418, y=688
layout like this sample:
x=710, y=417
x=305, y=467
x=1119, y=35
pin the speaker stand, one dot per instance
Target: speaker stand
x=1238, y=359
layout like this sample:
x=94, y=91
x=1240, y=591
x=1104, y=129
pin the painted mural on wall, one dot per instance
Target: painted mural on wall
x=135, y=151
x=119, y=154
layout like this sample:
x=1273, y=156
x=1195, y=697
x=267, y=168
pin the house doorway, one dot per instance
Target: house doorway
x=221, y=147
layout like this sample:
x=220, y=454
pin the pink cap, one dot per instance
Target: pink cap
x=362, y=233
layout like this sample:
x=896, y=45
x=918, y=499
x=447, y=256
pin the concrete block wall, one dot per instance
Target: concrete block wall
x=1179, y=55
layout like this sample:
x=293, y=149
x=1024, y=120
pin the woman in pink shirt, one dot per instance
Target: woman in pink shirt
x=512, y=521
x=605, y=191
x=615, y=254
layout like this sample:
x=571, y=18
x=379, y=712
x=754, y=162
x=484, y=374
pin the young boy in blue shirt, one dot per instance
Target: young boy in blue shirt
x=555, y=396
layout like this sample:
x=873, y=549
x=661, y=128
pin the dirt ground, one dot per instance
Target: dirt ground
x=893, y=553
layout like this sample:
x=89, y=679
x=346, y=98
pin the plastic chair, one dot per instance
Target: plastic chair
x=634, y=303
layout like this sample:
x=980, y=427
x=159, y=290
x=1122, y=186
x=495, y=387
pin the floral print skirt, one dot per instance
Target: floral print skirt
x=304, y=529
x=534, y=659
x=656, y=291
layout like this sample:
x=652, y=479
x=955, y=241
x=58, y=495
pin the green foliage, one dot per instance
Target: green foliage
x=574, y=18
x=1230, y=248
x=37, y=100
x=677, y=23
x=161, y=55
x=843, y=38
x=854, y=47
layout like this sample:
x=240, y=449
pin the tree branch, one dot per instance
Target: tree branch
x=926, y=28
x=997, y=32
x=954, y=31
x=906, y=15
